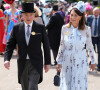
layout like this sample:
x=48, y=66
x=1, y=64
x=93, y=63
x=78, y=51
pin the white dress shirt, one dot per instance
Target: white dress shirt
x=28, y=38
x=93, y=26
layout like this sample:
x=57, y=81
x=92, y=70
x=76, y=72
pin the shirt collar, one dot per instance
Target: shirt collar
x=94, y=16
x=28, y=24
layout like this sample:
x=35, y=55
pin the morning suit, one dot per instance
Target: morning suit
x=54, y=31
x=32, y=49
x=90, y=21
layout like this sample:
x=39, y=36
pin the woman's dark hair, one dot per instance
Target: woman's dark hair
x=82, y=21
x=2, y=7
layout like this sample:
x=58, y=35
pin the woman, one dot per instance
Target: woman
x=62, y=11
x=72, y=55
x=46, y=13
x=2, y=46
x=12, y=17
x=89, y=10
x=38, y=13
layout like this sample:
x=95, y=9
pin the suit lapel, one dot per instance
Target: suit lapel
x=91, y=20
x=22, y=29
x=98, y=25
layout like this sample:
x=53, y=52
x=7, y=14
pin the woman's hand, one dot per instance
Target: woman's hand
x=59, y=67
x=92, y=67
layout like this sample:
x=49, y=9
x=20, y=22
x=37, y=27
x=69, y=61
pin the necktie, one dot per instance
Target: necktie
x=95, y=28
x=28, y=32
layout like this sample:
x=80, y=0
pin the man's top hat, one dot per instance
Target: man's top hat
x=28, y=7
x=55, y=7
x=9, y=1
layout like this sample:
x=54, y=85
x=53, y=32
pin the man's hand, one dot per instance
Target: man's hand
x=7, y=64
x=92, y=67
x=46, y=68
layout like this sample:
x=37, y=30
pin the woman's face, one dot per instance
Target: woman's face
x=74, y=18
x=12, y=5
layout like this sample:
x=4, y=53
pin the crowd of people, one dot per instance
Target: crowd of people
x=72, y=34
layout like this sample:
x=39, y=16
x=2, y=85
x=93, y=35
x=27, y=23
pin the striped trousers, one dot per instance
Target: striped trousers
x=30, y=77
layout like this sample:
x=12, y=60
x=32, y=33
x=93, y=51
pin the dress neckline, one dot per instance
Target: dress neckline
x=74, y=27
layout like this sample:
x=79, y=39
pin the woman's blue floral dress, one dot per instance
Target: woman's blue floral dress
x=12, y=20
x=73, y=58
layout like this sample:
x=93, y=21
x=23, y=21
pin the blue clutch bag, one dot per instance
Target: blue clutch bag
x=57, y=79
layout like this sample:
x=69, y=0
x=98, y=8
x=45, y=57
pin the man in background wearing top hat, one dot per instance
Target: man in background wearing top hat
x=54, y=31
x=29, y=35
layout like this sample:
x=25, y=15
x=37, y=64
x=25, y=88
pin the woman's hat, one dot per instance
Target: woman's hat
x=28, y=7
x=88, y=6
x=45, y=4
x=9, y=1
x=81, y=6
x=6, y=6
x=37, y=10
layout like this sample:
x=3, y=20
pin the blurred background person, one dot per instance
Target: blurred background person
x=46, y=12
x=38, y=14
x=62, y=11
x=2, y=46
x=12, y=17
x=89, y=10
x=54, y=31
x=94, y=22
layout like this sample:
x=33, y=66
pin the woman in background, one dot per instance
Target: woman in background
x=12, y=17
x=38, y=13
x=89, y=10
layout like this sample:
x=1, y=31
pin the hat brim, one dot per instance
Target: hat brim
x=9, y=1
x=27, y=11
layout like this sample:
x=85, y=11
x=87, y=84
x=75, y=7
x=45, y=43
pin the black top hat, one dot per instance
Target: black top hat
x=55, y=7
x=27, y=7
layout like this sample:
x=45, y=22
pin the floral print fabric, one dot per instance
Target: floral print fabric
x=12, y=20
x=72, y=55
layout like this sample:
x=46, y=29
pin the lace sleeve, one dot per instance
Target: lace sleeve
x=59, y=58
x=89, y=46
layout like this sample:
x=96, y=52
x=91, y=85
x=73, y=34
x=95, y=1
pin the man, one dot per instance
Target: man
x=28, y=35
x=54, y=31
x=94, y=22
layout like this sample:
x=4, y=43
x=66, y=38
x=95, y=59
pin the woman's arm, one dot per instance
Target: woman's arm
x=1, y=14
x=89, y=47
x=7, y=20
x=19, y=19
x=1, y=17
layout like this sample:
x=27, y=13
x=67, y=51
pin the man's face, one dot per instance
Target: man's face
x=96, y=13
x=28, y=17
